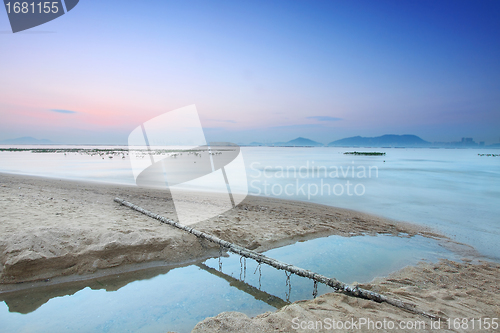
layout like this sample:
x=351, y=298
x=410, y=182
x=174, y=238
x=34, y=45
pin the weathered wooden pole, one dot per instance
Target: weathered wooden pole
x=260, y=258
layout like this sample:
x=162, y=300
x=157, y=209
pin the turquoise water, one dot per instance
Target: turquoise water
x=181, y=297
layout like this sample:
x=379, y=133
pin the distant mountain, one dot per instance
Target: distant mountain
x=27, y=140
x=222, y=144
x=299, y=142
x=388, y=140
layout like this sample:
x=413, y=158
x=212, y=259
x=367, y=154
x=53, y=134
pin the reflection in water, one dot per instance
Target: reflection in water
x=288, y=283
x=166, y=298
x=258, y=294
x=26, y=300
x=30, y=299
x=243, y=268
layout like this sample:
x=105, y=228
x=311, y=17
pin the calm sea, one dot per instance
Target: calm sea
x=455, y=191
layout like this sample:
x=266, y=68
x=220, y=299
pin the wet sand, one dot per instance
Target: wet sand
x=51, y=228
x=60, y=231
x=446, y=289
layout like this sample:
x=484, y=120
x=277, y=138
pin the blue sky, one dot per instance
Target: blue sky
x=256, y=70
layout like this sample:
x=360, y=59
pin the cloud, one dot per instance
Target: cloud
x=324, y=118
x=63, y=111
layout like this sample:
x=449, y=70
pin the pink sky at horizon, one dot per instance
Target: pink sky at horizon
x=256, y=72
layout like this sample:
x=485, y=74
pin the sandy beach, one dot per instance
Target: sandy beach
x=61, y=231
x=448, y=290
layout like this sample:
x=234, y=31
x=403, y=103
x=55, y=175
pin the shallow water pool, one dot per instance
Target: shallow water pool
x=176, y=299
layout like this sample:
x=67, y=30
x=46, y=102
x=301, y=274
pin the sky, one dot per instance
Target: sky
x=261, y=71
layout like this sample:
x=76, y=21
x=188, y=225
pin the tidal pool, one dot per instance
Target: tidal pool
x=175, y=299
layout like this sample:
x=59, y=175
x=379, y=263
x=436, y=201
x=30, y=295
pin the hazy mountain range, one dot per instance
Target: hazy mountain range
x=356, y=141
x=299, y=142
x=27, y=140
x=384, y=141
x=388, y=140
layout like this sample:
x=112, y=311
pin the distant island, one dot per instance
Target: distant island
x=299, y=142
x=384, y=141
x=388, y=140
x=27, y=140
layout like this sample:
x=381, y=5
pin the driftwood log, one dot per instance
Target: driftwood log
x=260, y=258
